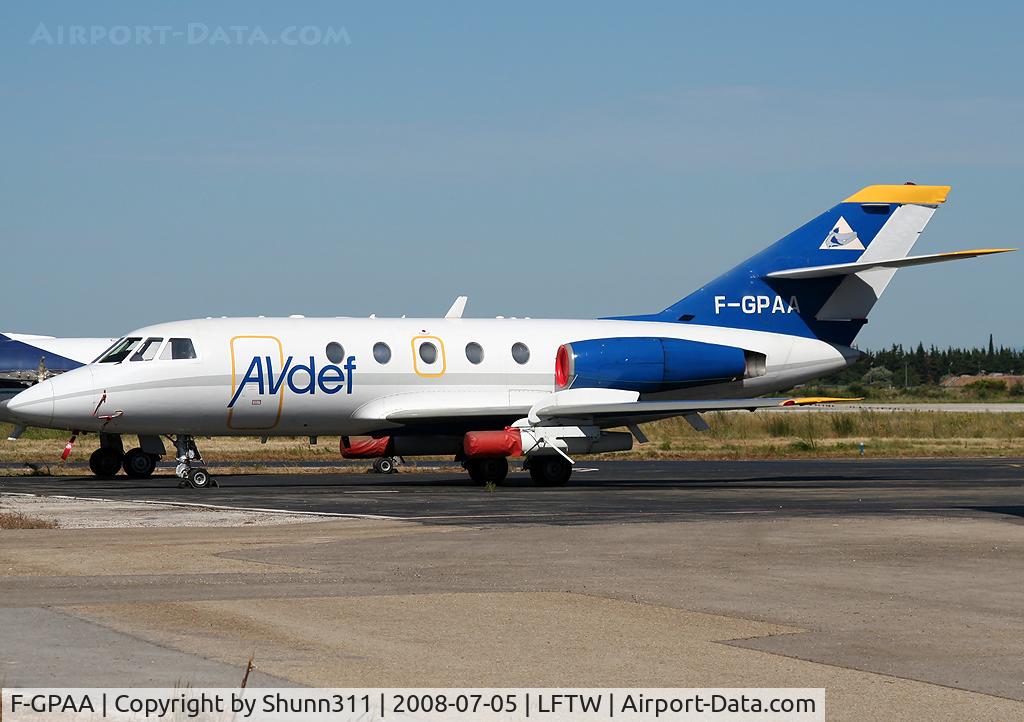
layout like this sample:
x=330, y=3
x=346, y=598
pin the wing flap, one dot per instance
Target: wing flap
x=610, y=406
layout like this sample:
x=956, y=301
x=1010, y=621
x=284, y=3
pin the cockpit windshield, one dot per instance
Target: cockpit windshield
x=120, y=350
x=107, y=350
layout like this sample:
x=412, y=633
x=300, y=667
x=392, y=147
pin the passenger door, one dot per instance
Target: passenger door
x=255, y=408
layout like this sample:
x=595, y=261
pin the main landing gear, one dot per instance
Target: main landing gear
x=549, y=470
x=385, y=465
x=138, y=463
x=189, y=468
x=487, y=470
x=545, y=469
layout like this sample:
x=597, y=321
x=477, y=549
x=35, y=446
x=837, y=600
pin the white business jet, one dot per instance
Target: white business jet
x=484, y=390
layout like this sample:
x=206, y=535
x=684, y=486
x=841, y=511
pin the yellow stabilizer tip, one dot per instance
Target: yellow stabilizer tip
x=979, y=252
x=923, y=195
x=811, y=400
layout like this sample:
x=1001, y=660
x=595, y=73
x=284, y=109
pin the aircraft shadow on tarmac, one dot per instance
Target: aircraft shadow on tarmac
x=1017, y=511
x=580, y=482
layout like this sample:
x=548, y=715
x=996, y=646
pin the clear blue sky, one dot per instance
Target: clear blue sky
x=568, y=160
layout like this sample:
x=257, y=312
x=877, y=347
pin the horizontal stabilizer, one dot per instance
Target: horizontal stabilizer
x=846, y=269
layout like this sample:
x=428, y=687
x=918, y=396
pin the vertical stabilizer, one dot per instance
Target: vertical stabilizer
x=880, y=222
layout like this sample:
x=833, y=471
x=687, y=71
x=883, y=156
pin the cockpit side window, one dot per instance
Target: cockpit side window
x=178, y=348
x=120, y=350
x=147, y=351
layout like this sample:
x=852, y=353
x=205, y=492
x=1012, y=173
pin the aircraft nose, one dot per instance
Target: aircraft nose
x=34, y=405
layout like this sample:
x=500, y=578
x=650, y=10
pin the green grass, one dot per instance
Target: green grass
x=733, y=435
x=780, y=434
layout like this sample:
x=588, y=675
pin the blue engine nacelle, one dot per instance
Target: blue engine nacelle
x=649, y=364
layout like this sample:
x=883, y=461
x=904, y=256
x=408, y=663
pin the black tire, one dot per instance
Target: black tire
x=550, y=470
x=489, y=470
x=105, y=463
x=138, y=464
x=475, y=473
x=384, y=465
x=199, y=478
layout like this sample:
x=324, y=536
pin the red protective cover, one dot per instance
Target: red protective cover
x=493, y=443
x=364, y=447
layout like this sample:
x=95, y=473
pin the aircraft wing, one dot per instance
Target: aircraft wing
x=431, y=406
x=598, y=407
x=612, y=407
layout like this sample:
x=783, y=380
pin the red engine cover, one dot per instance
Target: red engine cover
x=493, y=443
x=365, y=447
x=563, y=372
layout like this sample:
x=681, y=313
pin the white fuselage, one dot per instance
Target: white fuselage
x=251, y=376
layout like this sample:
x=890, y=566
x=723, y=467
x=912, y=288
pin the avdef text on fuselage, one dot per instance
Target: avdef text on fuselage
x=299, y=378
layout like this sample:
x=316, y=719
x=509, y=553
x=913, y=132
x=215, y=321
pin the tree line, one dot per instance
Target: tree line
x=898, y=366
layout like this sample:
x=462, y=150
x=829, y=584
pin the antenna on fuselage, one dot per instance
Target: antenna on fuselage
x=457, y=308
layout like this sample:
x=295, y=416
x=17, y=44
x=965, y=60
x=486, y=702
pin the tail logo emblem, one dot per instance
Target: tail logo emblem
x=842, y=238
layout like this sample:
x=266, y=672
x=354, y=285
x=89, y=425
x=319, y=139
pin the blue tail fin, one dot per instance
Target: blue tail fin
x=880, y=222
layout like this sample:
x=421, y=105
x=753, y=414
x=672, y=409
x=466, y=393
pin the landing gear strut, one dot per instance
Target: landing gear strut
x=189, y=468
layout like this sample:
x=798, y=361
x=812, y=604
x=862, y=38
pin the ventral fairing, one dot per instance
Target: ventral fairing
x=485, y=390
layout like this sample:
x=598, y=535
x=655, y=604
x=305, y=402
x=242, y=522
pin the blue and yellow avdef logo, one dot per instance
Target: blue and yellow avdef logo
x=299, y=378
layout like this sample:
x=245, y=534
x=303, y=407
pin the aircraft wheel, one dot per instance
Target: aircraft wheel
x=491, y=470
x=199, y=478
x=384, y=465
x=139, y=465
x=105, y=463
x=550, y=470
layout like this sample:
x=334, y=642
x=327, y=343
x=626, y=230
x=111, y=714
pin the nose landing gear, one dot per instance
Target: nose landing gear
x=187, y=455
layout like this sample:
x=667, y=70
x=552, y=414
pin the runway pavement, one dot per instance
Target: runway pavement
x=607, y=491
x=896, y=585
